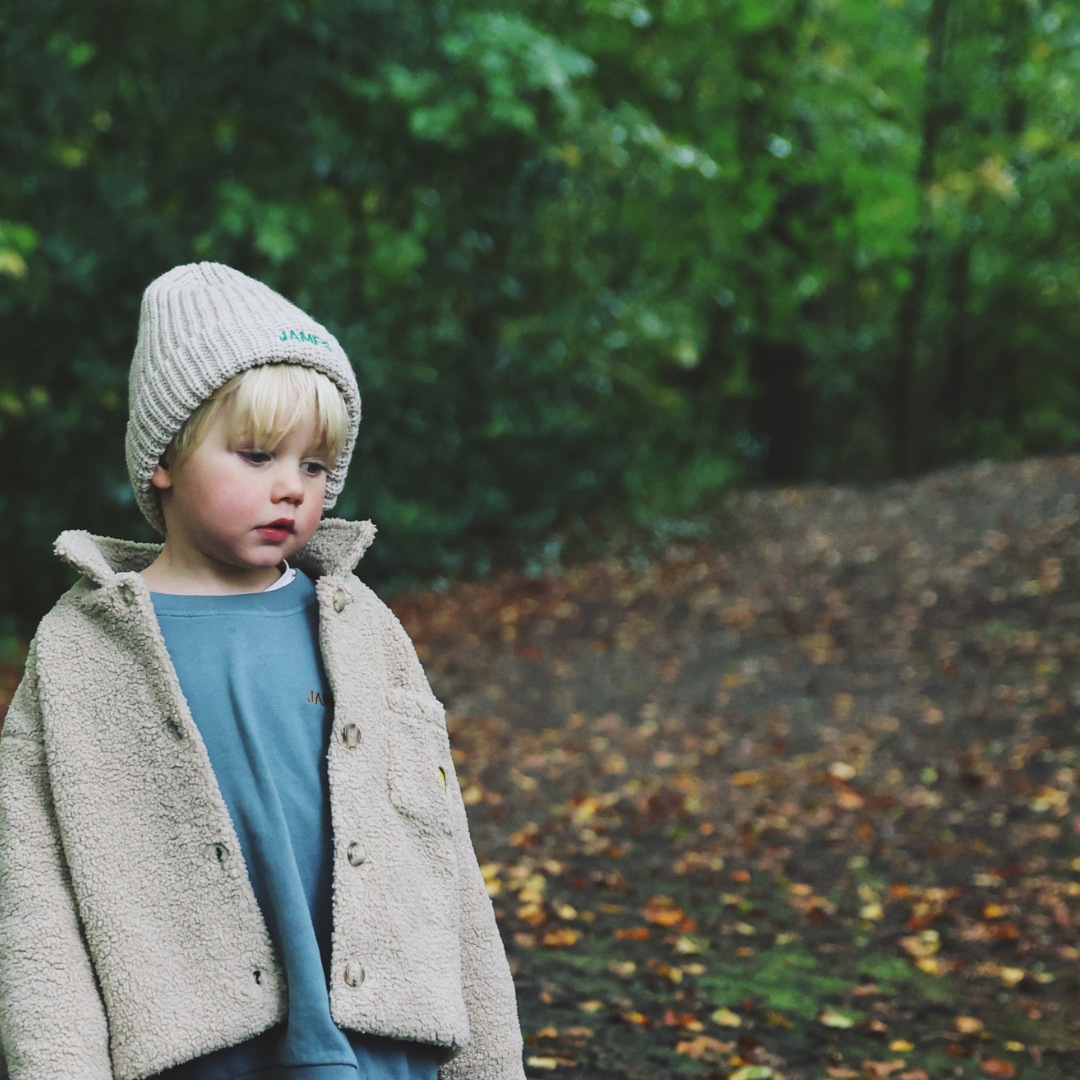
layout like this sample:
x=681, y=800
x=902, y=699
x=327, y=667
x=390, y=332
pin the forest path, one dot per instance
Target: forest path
x=797, y=800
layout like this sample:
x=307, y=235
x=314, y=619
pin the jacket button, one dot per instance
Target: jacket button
x=174, y=729
x=341, y=598
x=356, y=854
x=354, y=973
x=219, y=853
x=127, y=594
x=350, y=735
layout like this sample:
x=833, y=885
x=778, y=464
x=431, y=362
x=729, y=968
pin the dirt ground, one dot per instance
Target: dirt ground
x=793, y=799
x=796, y=799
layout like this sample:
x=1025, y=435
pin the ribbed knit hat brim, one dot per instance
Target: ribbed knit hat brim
x=201, y=325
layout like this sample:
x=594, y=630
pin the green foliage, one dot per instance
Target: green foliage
x=588, y=256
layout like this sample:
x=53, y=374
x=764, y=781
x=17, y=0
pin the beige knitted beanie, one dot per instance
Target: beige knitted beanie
x=200, y=325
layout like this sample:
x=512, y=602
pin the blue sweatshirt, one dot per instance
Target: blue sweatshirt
x=251, y=670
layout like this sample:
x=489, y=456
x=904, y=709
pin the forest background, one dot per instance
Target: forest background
x=590, y=258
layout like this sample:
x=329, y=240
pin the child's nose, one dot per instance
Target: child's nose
x=288, y=486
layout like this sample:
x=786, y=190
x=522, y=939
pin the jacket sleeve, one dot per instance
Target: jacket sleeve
x=494, y=1048
x=52, y=1020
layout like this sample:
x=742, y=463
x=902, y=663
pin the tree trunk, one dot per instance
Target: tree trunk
x=909, y=314
x=952, y=397
x=783, y=410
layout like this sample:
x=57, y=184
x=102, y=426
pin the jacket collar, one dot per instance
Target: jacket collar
x=336, y=547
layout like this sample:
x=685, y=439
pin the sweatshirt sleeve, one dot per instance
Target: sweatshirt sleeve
x=52, y=1020
x=494, y=1048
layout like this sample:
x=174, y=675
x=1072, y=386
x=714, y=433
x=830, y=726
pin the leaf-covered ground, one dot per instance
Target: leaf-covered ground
x=794, y=799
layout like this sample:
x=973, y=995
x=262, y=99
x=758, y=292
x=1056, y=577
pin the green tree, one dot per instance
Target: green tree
x=588, y=256
x=420, y=177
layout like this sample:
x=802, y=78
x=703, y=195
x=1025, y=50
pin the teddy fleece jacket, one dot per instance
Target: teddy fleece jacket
x=130, y=937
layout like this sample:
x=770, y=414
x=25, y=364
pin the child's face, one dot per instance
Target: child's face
x=237, y=504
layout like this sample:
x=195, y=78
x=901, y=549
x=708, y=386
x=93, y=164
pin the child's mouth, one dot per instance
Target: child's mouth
x=277, y=531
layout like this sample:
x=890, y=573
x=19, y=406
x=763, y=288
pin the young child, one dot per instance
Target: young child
x=232, y=843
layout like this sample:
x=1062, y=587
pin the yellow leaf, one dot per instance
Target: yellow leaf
x=533, y=889
x=726, y=1018
x=685, y=945
x=831, y=1018
x=881, y=1070
x=849, y=800
x=747, y=778
x=704, y=1046
x=752, y=1072
x=523, y=781
x=931, y=714
x=662, y=911
x=524, y=836
x=561, y=938
x=1048, y=798
x=490, y=872
x=922, y=945
x=532, y=913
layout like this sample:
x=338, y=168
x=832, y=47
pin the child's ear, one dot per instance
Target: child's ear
x=160, y=478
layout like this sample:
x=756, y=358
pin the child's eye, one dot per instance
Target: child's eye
x=256, y=457
x=313, y=468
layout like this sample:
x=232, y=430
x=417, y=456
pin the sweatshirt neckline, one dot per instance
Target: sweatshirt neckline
x=298, y=595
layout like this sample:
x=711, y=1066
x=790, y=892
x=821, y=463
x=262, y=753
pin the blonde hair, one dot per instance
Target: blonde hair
x=267, y=403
